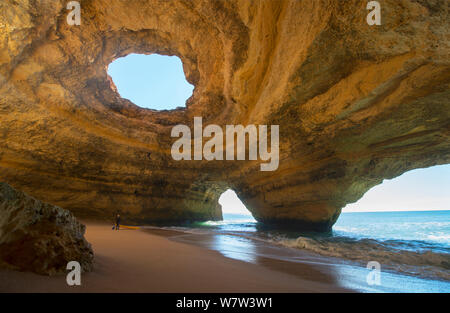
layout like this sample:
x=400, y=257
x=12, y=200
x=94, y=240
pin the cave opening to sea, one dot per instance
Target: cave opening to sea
x=404, y=221
x=151, y=81
x=233, y=209
x=413, y=206
x=421, y=189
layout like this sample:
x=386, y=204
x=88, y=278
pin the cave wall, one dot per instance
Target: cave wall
x=355, y=103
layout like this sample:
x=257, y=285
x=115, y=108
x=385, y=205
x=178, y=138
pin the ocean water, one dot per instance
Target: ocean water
x=415, y=243
x=410, y=243
x=419, y=230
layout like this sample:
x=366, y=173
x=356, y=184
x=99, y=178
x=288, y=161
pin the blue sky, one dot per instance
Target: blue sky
x=151, y=81
x=158, y=82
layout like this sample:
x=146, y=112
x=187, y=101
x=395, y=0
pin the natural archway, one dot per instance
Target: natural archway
x=233, y=208
x=413, y=206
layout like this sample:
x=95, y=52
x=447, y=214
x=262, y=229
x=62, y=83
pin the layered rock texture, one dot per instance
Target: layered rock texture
x=39, y=237
x=355, y=103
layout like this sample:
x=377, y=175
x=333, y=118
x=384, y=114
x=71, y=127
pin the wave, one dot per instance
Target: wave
x=390, y=254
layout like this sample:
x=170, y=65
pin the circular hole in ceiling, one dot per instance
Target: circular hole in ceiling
x=151, y=81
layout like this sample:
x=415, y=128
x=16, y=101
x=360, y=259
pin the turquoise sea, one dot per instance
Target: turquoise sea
x=413, y=230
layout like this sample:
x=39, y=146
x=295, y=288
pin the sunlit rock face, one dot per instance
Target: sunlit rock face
x=39, y=237
x=355, y=103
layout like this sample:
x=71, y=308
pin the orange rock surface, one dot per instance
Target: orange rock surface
x=355, y=103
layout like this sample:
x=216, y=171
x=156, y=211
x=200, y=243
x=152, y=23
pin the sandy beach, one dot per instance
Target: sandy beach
x=138, y=261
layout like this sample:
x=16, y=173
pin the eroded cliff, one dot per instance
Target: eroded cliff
x=355, y=103
x=39, y=237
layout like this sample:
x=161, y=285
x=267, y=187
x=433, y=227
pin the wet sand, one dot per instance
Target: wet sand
x=138, y=261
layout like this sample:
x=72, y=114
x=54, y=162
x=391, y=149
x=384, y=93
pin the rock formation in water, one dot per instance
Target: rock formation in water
x=355, y=103
x=39, y=237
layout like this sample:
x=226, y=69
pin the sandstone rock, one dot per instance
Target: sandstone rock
x=39, y=237
x=355, y=103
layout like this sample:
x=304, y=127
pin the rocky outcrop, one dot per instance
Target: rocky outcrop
x=355, y=103
x=39, y=237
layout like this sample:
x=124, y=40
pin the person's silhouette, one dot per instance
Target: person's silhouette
x=117, y=221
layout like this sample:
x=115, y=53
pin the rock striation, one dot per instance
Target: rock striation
x=39, y=237
x=355, y=103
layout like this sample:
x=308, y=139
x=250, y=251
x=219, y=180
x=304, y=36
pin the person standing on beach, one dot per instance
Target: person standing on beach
x=117, y=221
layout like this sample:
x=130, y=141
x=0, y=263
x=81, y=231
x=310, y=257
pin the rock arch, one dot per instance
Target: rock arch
x=355, y=104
